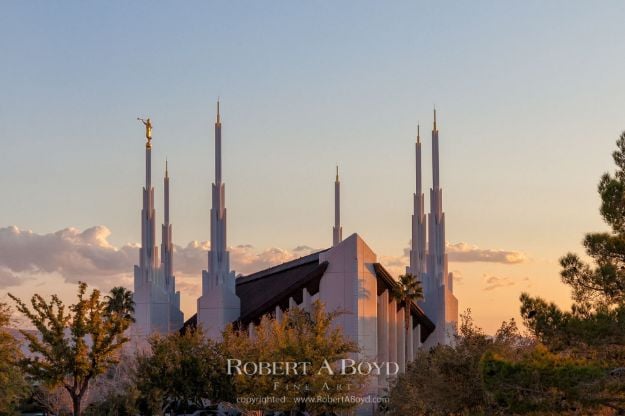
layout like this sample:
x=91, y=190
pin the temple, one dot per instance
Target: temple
x=347, y=276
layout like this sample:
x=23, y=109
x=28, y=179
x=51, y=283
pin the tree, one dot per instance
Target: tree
x=598, y=314
x=75, y=344
x=583, y=361
x=408, y=291
x=54, y=399
x=179, y=371
x=446, y=380
x=119, y=301
x=598, y=289
x=14, y=387
x=299, y=336
x=114, y=393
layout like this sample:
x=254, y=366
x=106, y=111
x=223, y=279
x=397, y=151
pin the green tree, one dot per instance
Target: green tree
x=76, y=343
x=582, y=364
x=446, y=380
x=119, y=301
x=300, y=336
x=407, y=292
x=179, y=371
x=598, y=289
x=14, y=386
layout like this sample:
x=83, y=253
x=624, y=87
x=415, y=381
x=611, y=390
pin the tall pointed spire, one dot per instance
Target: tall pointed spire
x=148, y=257
x=440, y=304
x=337, y=230
x=219, y=303
x=218, y=147
x=157, y=304
x=417, y=265
x=218, y=116
x=435, y=169
x=167, y=246
x=436, y=247
x=218, y=262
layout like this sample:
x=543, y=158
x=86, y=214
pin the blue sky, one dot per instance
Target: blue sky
x=530, y=98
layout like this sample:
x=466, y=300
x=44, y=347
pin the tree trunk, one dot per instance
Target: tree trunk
x=407, y=337
x=76, y=399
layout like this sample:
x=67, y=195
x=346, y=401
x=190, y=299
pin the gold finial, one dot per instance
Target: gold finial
x=148, y=131
x=418, y=134
x=337, y=172
x=166, y=169
x=435, y=118
x=218, y=118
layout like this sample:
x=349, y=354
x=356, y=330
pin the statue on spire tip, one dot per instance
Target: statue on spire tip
x=148, y=130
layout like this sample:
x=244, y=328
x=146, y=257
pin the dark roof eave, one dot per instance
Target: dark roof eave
x=426, y=324
x=267, y=306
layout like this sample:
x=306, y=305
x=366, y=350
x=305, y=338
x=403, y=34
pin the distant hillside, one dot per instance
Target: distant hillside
x=21, y=338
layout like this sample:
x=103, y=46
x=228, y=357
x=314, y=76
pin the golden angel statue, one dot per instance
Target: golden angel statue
x=148, y=129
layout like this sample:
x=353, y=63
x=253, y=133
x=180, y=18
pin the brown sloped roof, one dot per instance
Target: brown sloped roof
x=262, y=291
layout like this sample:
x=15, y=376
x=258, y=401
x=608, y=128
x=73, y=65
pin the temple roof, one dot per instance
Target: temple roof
x=262, y=291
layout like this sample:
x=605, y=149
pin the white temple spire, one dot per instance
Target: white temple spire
x=218, y=258
x=218, y=147
x=148, y=258
x=337, y=230
x=435, y=168
x=440, y=304
x=167, y=246
x=417, y=265
x=219, y=303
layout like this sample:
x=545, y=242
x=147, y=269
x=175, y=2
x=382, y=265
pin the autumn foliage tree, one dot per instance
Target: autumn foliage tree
x=299, y=336
x=76, y=343
x=13, y=385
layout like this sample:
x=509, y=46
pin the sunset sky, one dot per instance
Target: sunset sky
x=530, y=99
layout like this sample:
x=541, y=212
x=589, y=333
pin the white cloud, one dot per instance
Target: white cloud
x=89, y=256
x=458, y=253
x=463, y=252
x=495, y=282
x=8, y=278
x=76, y=255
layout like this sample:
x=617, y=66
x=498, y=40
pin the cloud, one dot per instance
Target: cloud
x=459, y=253
x=76, y=255
x=8, y=278
x=89, y=256
x=463, y=252
x=244, y=258
x=494, y=282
